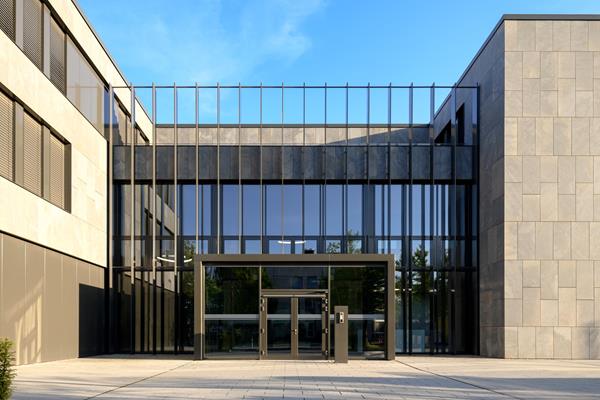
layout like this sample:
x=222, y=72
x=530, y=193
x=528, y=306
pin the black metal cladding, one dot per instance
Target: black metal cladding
x=357, y=163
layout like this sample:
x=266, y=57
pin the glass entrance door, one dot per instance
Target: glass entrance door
x=279, y=328
x=293, y=327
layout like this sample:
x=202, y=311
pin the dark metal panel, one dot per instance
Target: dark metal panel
x=186, y=163
x=143, y=162
x=229, y=162
x=442, y=162
x=378, y=162
x=271, y=162
x=335, y=164
x=121, y=160
x=250, y=166
x=464, y=162
x=399, y=167
x=313, y=163
x=164, y=162
x=421, y=168
x=207, y=162
x=292, y=163
x=357, y=162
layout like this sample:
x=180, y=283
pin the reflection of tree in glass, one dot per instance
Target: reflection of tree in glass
x=353, y=244
x=231, y=290
x=420, y=280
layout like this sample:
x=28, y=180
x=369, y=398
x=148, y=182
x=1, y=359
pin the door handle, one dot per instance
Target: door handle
x=294, y=331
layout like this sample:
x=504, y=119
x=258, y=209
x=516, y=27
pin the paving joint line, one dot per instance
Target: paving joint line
x=459, y=381
x=138, y=381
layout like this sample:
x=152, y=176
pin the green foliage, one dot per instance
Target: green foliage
x=7, y=372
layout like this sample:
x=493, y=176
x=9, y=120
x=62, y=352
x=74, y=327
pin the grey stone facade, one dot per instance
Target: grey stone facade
x=540, y=188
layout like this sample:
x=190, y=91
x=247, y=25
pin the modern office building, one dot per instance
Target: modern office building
x=229, y=221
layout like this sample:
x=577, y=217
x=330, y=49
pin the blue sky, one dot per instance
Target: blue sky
x=296, y=41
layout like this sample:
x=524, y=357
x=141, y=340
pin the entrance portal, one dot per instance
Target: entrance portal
x=293, y=325
x=272, y=306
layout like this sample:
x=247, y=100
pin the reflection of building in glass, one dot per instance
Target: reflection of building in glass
x=453, y=220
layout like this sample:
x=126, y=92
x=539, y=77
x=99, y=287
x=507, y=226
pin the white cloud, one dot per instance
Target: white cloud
x=207, y=40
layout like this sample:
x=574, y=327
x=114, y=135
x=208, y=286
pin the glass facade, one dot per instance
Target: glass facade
x=396, y=190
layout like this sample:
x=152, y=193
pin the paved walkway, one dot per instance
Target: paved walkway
x=406, y=378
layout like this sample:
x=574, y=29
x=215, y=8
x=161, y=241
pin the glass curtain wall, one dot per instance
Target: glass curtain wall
x=242, y=189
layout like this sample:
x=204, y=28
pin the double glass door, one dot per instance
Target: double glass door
x=293, y=326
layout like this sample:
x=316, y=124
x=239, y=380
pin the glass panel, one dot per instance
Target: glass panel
x=84, y=87
x=279, y=327
x=308, y=247
x=273, y=209
x=252, y=247
x=301, y=277
x=292, y=210
x=354, y=210
x=310, y=328
x=417, y=210
x=333, y=246
x=231, y=290
x=397, y=207
x=333, y=210
x=251, y=209
x=421, y=250
x=187, y=310
x=187, y=210
x=205, y=195
x=353, y=246
x=381, y=210
x=231, y=246
x=279, y=246
x=421, y=311
x=312, y=205
x=401, y=286
x=362, y=289
x=230, y=210
x=231, y=338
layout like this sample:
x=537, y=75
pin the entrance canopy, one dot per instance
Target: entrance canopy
x=281, y=305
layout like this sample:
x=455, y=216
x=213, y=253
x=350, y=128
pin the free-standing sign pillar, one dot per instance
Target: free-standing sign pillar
x=341, y=334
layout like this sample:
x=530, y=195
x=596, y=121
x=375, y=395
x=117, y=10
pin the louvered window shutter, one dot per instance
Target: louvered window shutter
x=32, y=31
x=32, y=155
x=57, y=172
x=6, y=137
x=57, y=56
x=7, y=18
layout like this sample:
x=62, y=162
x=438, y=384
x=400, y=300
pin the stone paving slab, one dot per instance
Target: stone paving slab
x=406, y=378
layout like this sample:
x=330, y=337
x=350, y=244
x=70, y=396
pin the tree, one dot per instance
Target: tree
x=7, y=372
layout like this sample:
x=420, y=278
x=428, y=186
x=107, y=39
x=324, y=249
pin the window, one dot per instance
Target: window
x=32, y=31
x=84, y=88
x=41, y=166
x=52, y=51
x=32, y=155
x=333, y=210
x=230, y=210
x=57, y=171
x=292, y=210
x=354, y=210
x=251, y=210
x=312, y=207
x=273, y=209
x=57, y=56
x=7, y=18
x=6, y=137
